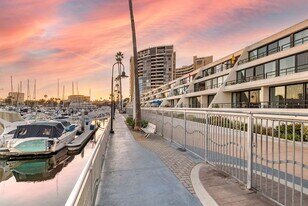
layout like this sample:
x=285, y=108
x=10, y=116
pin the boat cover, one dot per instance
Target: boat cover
x=48, y=129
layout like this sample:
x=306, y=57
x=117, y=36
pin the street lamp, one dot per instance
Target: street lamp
x=119, y=57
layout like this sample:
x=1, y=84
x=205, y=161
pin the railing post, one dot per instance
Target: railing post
x=249, y=150
x=185, y=133
x=163, y=123
x=206, y=134
x=171, y=126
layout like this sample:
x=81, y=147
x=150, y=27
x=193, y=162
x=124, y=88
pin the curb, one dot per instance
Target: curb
x=204, y=197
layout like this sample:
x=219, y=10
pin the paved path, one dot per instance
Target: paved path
x=225, y=190
x=133, y=175
x=180, y=163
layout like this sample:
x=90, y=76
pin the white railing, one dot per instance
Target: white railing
x=85, y=189
x=250, y=146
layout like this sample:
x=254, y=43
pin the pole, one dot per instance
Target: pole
x=111, y=105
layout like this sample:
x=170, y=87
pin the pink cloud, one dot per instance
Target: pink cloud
x=41, y=40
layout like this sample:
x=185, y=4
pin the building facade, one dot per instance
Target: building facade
x=156, y=67
x=197, y=63
x=16, y=97
x=272, y=73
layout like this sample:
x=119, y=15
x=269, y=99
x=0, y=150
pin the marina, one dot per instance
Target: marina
x=45, y=155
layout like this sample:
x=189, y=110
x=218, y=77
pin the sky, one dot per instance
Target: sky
x=76, y=40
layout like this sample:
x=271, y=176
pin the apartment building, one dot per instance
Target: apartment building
x=197, y=63
x=272, y=73
x=156, y=67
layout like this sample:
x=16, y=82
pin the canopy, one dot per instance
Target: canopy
x=48, y=129
x=156, y=102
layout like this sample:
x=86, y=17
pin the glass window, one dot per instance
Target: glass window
x=302, y=62
x=272, y=48
x=215, y=81
x=205, y=73
x=270, y=69
x=259, y=71
x=262, y=52
x=295, y=96
x=249, y=74
x=220, y=80
x=301, y=37
x=277, y=96
x=208, y=84
x=254, y=99
x=284, y=43
x=210, y=99
x=287, y=66
x=240, y=75
x=253, y=55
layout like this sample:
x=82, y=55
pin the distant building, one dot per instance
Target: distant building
x=16, y=97
x=156, y=67
x=197, y=63
x=78, y=98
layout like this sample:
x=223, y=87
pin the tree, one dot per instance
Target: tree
x=137, y=92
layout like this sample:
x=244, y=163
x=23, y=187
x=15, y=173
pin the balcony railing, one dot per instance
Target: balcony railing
x=214, y=86
x=282, y=72
x=274, y=50
x=291, y=104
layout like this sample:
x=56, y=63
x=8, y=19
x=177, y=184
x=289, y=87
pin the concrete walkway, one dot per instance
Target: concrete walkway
x=133, y=175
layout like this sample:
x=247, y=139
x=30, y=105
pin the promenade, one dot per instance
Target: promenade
x=132, y=175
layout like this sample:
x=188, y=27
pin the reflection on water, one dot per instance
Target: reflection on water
x=43, y=181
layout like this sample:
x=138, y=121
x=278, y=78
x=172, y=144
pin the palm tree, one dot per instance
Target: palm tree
x=137, y=93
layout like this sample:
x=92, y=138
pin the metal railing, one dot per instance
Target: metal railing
x=286, y=103
x=267, y=152
x=274, y=50
x=84, y=191
x=281, y=72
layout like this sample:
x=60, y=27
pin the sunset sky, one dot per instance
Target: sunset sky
x=76, y=40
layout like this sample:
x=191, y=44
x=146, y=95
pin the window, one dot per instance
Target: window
x=208, y=84
x=259, y=71
x=301, y=37
x=215, y=81
x=249, y=74
x=272, y=48
x=220, y=80
x=277, y=96
x=262, y=52
x=295, y=95
x=195, y=102
x=302, y=62
x=284, y=43
x=253, y=55
x=240, y=76
x=287, y=66
x=270, y=69
x=210, y=99
x=246, y=99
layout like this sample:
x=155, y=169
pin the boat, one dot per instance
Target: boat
x=8, y=124
x=40, y=138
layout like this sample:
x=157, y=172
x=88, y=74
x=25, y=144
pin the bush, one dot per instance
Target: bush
x=144, y=123
x=130, y=121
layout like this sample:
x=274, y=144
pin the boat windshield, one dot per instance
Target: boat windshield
x=39, y=130
x=10, y=116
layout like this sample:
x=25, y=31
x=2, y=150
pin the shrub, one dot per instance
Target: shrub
x=130, y=121
x=144, y=123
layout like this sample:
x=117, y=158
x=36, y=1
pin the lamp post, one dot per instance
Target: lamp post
x=118, y=57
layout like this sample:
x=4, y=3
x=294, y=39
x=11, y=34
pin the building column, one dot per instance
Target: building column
x=204, y=101
x=264, y=97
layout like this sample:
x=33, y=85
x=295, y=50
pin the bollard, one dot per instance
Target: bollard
x=82, y=120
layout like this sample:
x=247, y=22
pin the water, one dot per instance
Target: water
x=44, y=181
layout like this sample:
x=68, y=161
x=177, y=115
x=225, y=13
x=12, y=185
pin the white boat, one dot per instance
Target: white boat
x=40, y=137
x=8, y=124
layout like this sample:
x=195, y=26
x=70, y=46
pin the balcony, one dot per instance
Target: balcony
x=268, y=75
